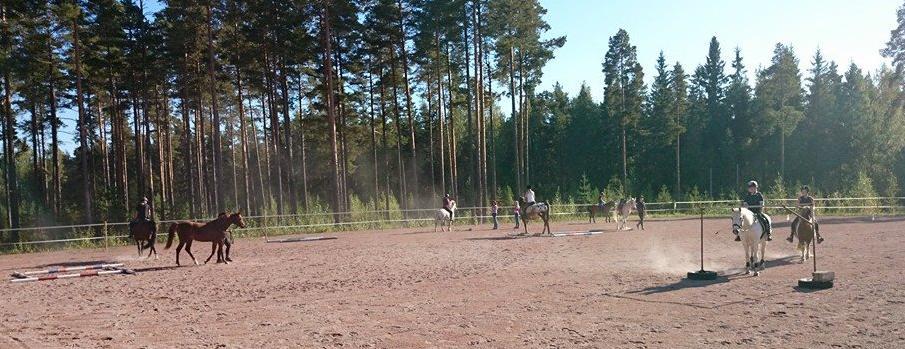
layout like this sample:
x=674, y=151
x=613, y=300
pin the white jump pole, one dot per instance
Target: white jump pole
x=60, y=269
x=85, y=273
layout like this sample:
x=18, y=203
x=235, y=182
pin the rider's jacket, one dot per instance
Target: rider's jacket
x=755, y=202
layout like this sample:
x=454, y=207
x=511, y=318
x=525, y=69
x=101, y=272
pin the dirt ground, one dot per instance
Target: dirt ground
x=413, y=288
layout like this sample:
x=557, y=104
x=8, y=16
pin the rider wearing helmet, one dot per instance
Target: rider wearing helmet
x=143, y=213
x=754, y=201
x=447, y=205
x=805, y=200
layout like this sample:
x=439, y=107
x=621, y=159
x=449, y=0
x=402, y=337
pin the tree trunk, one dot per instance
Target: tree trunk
x=454, y=171
x=493, y=185
x=55, y=192
x=12, y=180
x=403, y=194
x=327, y=66
x=275, y=147
x=217, y=145
x=386, y=153
x=303, y=146
x=188, y=155
x=243, y=137
x=441, y=119
x=408, y=101
x=376, y=196
x=288, y=151
x=515, y=123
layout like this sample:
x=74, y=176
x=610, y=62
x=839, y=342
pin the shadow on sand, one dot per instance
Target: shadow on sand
x=153, y=269
x=500, y=238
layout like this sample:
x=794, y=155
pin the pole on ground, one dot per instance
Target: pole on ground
x=702, y=274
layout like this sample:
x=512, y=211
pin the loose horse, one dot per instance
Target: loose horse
x=144, y=233
x=213, y=232
x=538, y=210
x=606, y=211
x=754, y=238
x=622, y=213
x=444, y=218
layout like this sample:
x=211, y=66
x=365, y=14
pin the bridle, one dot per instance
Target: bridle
x=737, y=228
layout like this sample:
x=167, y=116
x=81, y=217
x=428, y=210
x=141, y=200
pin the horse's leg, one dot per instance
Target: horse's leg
x=229, y=246
x=747, y=258
x=179, y=249
x=220, y=256
x=213, y=249
x=188, y=249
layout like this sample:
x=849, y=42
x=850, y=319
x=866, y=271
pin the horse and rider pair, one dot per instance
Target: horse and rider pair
x=143, y=228
x=754, y=201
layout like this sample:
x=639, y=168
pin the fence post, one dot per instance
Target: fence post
x=106, y=236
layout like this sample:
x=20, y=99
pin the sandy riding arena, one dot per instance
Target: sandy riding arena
x=415, y=288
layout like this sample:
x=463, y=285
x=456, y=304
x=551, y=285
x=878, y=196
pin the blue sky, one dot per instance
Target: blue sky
x=845, y=31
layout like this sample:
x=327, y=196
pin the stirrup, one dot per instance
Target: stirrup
x=819, y=239
x=738, y=238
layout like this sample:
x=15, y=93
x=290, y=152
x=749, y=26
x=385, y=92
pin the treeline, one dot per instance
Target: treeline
x=705, y=132
x=277, y=107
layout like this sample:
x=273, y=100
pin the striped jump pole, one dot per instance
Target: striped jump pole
x=60, y=269
x=84, y=273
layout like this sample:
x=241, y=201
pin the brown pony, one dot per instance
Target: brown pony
x=213, y=232
x=144, y=231
x=606, y=211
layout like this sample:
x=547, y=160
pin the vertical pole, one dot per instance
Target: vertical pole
x=814, y=242
x=702, y=239
x=106, y=238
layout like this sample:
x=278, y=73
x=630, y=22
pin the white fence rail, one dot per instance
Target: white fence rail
x=474, y=214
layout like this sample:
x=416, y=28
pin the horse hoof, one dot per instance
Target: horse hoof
x=747, y=272
x=756, y=273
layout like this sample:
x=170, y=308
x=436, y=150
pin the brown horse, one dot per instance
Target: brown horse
x=144, y=232
x=213, y=232
x=606, y=211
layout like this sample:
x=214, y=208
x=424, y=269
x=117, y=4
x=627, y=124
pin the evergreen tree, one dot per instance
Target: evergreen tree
x=779, y=99
x=624, y=89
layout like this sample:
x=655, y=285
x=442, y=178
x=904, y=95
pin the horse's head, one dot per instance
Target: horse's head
x=236, y=218
x=807, y=212
x=738, y=221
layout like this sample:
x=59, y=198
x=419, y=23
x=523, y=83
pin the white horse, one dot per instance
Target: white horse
x=622, y=213
x=444, y=218
x=538, y=210
x=746, y=226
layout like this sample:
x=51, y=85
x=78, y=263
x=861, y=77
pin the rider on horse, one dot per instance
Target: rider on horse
x=601, y=200
x=754, y=201
x=447, y=205
x=143, y=214
x=805, y=200
x=529, y=197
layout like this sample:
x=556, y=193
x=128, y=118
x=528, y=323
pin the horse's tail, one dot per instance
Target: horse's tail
x=170, y=235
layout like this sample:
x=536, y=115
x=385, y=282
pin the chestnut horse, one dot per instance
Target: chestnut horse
x=213, y=232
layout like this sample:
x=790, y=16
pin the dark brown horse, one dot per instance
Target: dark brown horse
x=606, y=211
x=213, y=232
x=145, y=234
